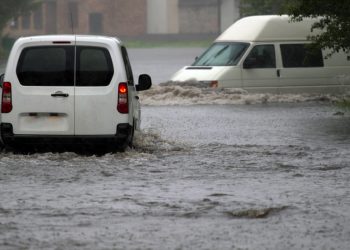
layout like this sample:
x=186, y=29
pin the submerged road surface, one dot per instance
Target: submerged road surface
x=263, y=176
x=210, y=170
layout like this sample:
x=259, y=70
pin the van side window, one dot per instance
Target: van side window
x=300, y=55
x=261, y=56
x=128, y=69
x=94, y=66
x=46, y=66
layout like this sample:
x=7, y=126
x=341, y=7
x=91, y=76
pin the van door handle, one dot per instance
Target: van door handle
x=59, y=94
x=278, y=73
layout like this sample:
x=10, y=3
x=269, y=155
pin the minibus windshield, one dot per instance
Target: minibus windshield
x=222, y=54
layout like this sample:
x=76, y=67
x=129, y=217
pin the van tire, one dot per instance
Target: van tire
x=131, y=140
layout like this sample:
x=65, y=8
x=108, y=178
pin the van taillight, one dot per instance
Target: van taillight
x=123, y=106
x=6, y=100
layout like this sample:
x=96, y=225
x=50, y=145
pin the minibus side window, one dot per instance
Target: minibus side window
x=300, y=55
x=261, y=56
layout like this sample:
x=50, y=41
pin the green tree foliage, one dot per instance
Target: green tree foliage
x=13, y=8
x=334, y=18
x=334, y=21
x=262, y=7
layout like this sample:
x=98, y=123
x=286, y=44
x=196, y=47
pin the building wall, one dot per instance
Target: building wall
x=127, y=18
x=162, y=17
x=229, y=13
x=24, y=25
x=191, y=16
x=108, y=17
x=130, y=17
x=197, y=17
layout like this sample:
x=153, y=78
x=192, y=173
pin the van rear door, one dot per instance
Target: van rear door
x=43, y=91
x=95, y=94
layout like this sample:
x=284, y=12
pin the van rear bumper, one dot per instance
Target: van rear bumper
x=29, y=142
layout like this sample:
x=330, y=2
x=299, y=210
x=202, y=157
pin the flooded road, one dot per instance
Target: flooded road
x=210, y=170
x=200, y=177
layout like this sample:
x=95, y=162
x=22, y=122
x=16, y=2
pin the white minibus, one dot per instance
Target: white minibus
x=269, y=54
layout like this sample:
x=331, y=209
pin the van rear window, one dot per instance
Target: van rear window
x=46, y=66
x=301, y=55
x=94, y=66
x=54, y=66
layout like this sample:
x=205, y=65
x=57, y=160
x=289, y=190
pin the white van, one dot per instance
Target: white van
x=70, y=89
x=269, y=54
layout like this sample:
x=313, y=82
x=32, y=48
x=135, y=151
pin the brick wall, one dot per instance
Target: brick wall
x=122, y=18
x=117, y=17
x=130, y=17
x=198, y=19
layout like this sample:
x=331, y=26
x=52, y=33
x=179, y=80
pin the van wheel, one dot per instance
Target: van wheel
x=130, y=144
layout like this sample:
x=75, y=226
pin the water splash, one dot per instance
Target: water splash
x=190, y=93
x=255, y=213
x=151, y=141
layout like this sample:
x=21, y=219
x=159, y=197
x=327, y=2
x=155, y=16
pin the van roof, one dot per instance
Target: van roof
x=268, y=28
x=68, y=38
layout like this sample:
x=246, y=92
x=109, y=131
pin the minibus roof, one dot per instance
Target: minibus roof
x=268, y=28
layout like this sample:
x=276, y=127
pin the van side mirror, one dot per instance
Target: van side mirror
x=250, y=62
x=145, y=82
x=1, y=80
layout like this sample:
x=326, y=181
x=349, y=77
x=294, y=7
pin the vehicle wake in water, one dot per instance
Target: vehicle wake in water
x=220, y=175
x=260, y=176
x=188, y=93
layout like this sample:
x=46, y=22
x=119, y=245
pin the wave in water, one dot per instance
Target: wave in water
x=150, y=141
x=192, y=94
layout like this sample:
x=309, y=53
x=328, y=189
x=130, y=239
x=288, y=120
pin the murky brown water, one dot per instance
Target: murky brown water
x=210, y=170
x=264, y=176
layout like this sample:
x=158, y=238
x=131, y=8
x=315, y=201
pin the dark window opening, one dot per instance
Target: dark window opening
x=96, y=23
x=73, y=14
x=46, y=66
x=261, y=56
x=51, y=17
x=38, y=19
x=26, y=21
x=301, y=55
x=54, y=66
x=94, y=67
